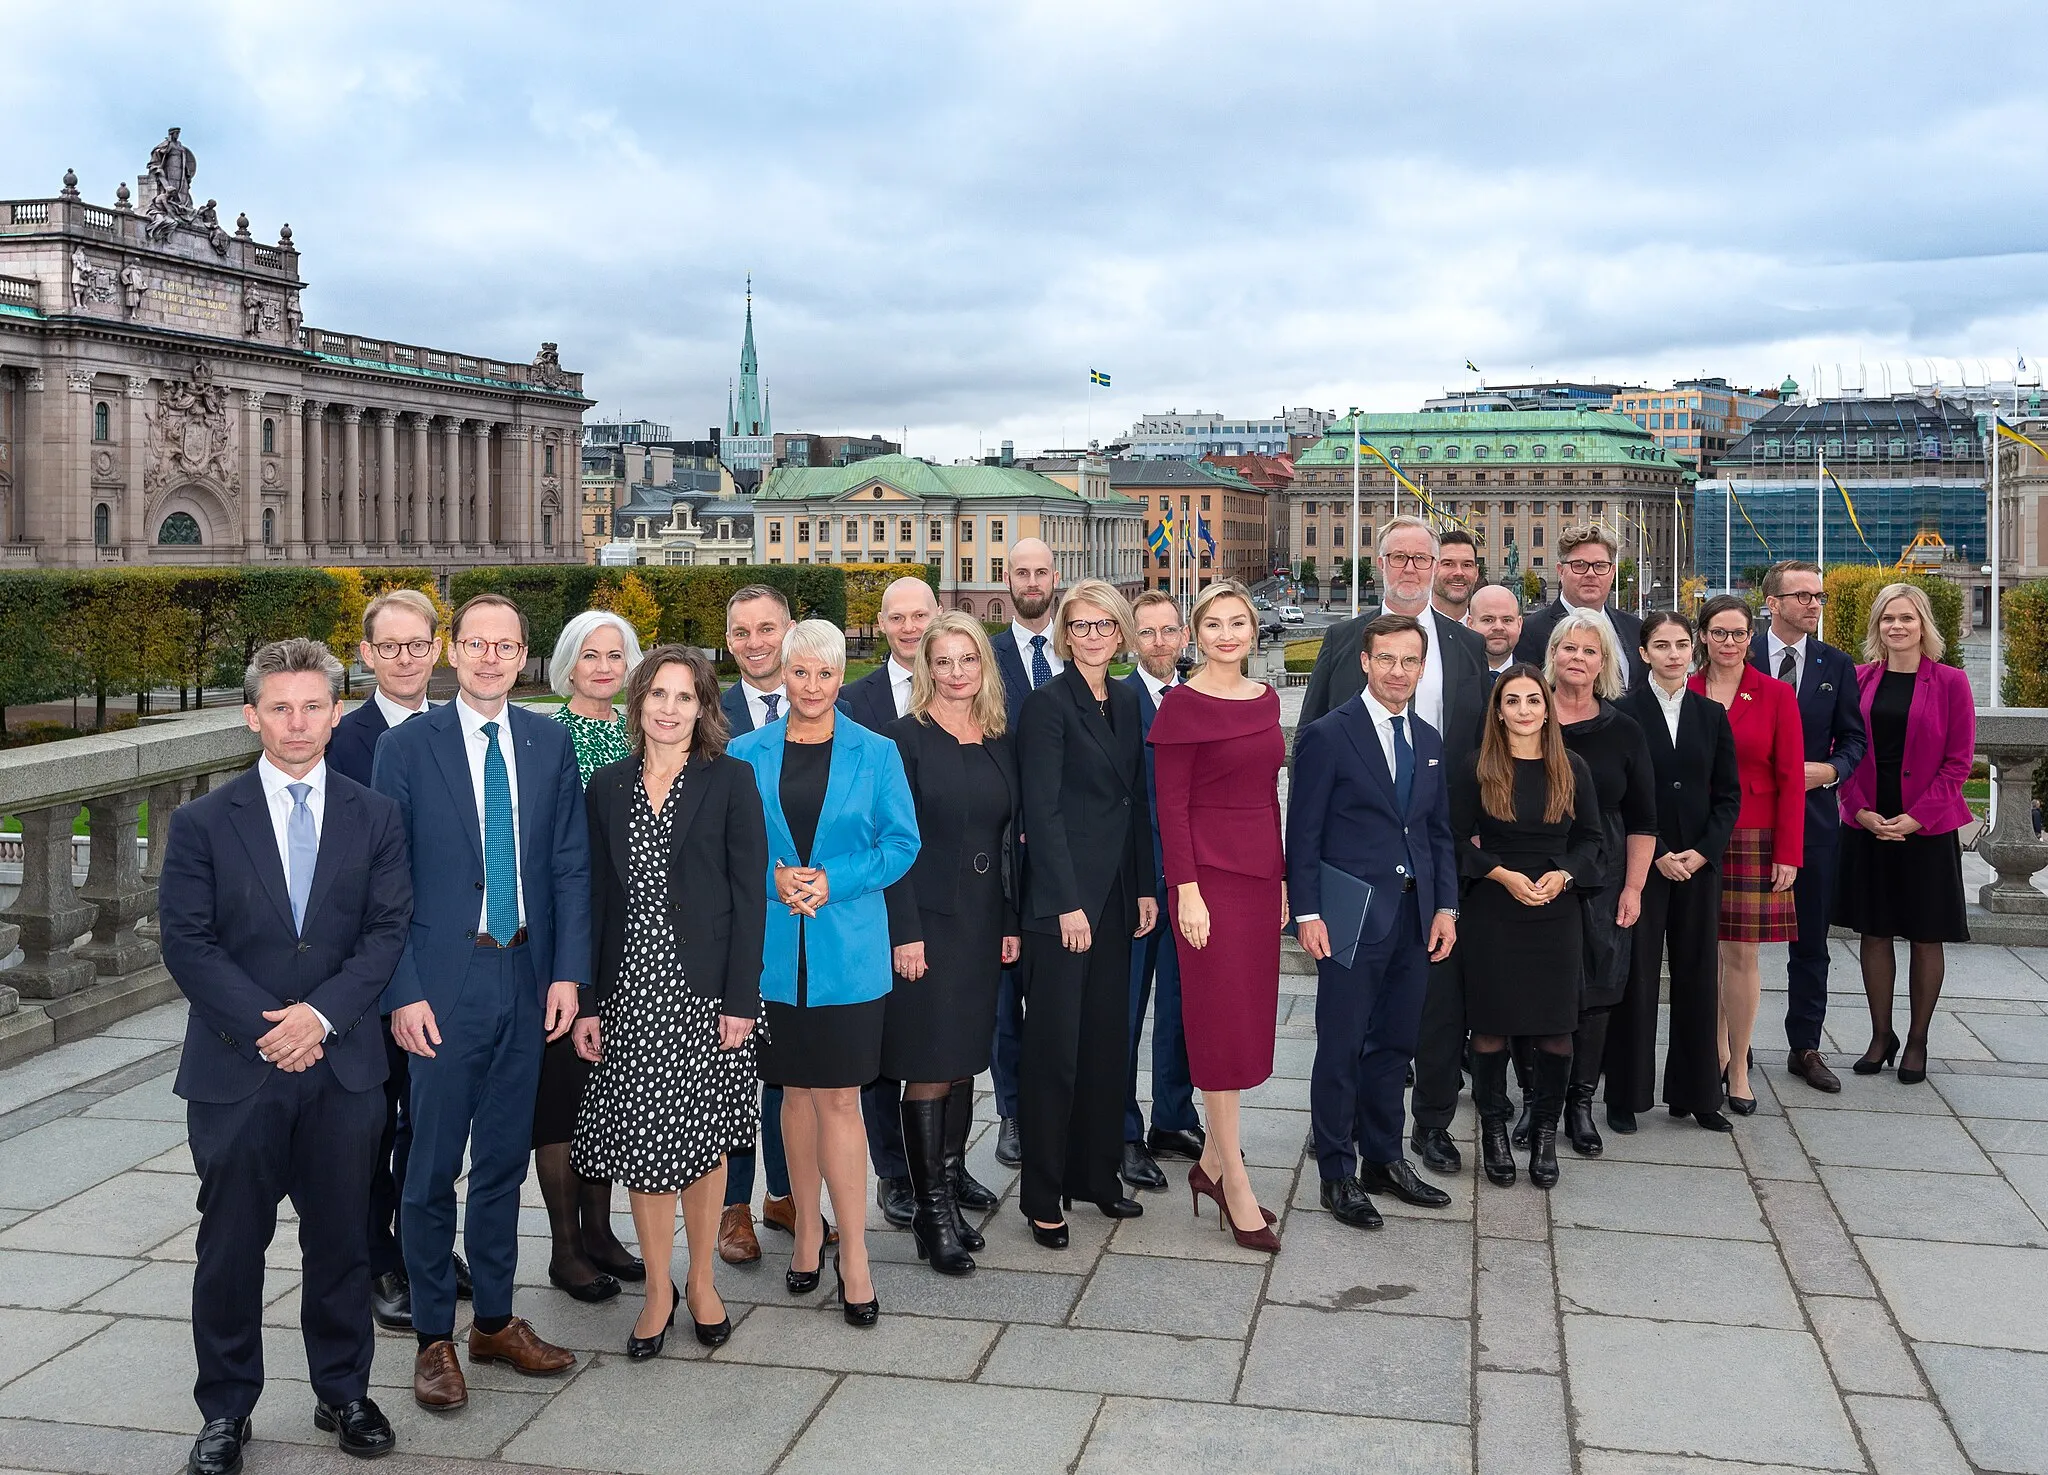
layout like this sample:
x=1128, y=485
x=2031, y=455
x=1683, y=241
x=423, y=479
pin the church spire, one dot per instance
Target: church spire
x=750, y=418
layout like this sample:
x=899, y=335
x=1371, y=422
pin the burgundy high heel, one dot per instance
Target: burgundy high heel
x=1201, y=1185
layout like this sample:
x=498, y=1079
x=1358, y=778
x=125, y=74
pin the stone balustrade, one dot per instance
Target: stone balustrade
x=2015, y=739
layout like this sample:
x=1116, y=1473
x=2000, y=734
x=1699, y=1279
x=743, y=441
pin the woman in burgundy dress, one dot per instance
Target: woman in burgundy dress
x=1218, y=751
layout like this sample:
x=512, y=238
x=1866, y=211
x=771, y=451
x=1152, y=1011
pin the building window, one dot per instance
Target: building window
x=995, y=530
x=1565, y=508
x=1511, y=451
x=1536, y=535
x=967, y=569
x=100, y=419
x=803, y=530
x=903, y=535
x=881, y=529
x=270, y=527
x=269, y=436
x=774, y=532
x=101, y=531
x=995, y=569
x=724, y=528
x=1308, y=509
x=178, y=530
x=1539, y=452
x=1450, y=453
x=1568, y=452
x=938, y=530
x=548, y=459
x=1308, y=536
x=547, y=530
x=1480, y=453
x=1205, y=501
x=967, y=530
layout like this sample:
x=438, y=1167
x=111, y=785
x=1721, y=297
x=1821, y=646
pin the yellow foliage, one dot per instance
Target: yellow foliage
x=627, y=596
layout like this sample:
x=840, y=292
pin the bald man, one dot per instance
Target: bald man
x=883, y=695
x=1024, y=652
x=1495, y=616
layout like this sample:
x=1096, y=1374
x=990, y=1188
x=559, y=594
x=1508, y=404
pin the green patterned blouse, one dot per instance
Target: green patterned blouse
x=597, y=740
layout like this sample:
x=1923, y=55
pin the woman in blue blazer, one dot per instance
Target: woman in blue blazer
x=841, y=827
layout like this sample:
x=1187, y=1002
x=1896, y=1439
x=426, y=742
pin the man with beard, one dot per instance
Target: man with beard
x=1457, y=575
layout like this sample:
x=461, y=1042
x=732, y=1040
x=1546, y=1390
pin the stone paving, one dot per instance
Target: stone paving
x=1848, y=1283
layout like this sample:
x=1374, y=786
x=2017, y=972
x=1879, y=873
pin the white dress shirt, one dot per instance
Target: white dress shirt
x=1774, y=652
x=1383, y=729
x=1024, y=637
x=277, y=797
x=1428, y=703
x=473, y=747
x=758, y=708
x=899, y=686
x=1155, y=686
x=394, y=714
x=1670, y=703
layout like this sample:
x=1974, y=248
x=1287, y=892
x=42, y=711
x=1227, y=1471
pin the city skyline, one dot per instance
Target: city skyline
x=949, y=227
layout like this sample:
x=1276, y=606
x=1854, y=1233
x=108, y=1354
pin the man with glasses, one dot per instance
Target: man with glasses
x=493, y=810
x=1585, y=578
x=1831, y=716
x=401, y=645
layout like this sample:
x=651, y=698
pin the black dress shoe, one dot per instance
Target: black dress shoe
x=391, y=1301
x=1345, y=1199
x=898, y=1203
x=1188, y=1144
x=1009, y=1148
x=1438, y=1152
x=218, y=1449
x=1052, y=1237
x=465, y=1288
x=1117, y=1208
x=1619, y=1120
x=1742, y=1105
x=1139, y=1170
x=1713, y=1121
x=598, y=1288
x=1401, y=1180
x=364, y=1431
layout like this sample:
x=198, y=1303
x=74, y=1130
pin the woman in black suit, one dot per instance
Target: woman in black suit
x=1699, y=794
x=952, y=924
x=678, y=850
x=1088, y=848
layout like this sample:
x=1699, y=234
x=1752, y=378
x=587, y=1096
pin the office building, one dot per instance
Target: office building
x=1177, y=437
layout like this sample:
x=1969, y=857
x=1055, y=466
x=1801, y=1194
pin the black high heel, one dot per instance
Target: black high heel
x=1873, y=1062
x=599, y=1288
x=1913, y=1075
x=710, y=1334
x=1054, y=1238
x=639, y=1349
x=858, y=1313
x=1114, y=1208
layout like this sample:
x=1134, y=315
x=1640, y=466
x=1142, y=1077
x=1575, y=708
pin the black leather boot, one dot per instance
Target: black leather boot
x=1525, y=1078
x=935, y=1224
x=967, y=1192
x=1490, y=1095
x=1553, y=1073
x=1578, y=1121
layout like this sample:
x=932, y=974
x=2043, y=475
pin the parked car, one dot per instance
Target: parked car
x=1290, y=614
x=1261, y=603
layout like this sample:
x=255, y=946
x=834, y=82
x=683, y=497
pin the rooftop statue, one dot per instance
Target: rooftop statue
x=171, y=168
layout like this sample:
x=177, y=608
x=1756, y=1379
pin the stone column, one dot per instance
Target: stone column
x=486, y=488
x=116, y=887
x=294, y=460
x=134, y=531
x=352, y=475
x=48, y=911
x=387, y=476
x=164, y=800
x=2014, y=740
x=252, y=470
x=421, y=522
x=72, y=512
x=460, y=527
x=316, y=472
x=29, y=474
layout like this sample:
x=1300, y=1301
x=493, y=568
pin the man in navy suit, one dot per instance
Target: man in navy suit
x=875, y=701
x=500, y=944
x=284, y=902
x=1587, y=561
x=1831, y=716
x=400, y=646
x=1370, y=799
x=1025, y=656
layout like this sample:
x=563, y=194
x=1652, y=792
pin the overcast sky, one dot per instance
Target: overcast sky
x=953, y=212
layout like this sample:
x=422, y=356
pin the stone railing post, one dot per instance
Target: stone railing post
x=2015, y=739
x=49, y=913
x=164, y=800
x=115, y=885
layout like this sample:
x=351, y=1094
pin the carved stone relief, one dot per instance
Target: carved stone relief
x=190, y=438
x=89, y=283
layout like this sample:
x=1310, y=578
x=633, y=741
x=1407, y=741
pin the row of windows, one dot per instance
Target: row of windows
x=1930, y=447
x=936, y=532
x=102, y=431
x=1479, y=509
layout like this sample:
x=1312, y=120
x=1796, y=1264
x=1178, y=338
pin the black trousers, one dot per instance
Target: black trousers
x=881, y=1113
x=1440, y=1046
x=1806, y=961
x=387, y=1173
x=1076, y=1049
x=1679, y=921
x=299, y=1136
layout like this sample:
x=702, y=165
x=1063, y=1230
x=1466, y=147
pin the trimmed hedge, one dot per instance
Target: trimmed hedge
x=1852, y=586
x=690, y=597
x=2023, y=614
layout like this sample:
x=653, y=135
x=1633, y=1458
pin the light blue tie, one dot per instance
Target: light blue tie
x=302, y=849
x=501, y=851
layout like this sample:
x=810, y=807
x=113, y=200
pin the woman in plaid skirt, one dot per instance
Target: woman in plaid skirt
x=1764, y=855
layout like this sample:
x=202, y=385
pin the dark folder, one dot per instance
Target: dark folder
x=1346, y=900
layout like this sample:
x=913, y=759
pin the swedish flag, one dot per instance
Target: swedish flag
x=1160, y=539
x=1472, y=367
x=1096, y=376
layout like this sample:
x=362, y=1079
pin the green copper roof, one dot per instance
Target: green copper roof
x=1479, y=438
x=920, y=479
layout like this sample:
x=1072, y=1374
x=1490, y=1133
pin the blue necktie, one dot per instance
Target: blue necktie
x=1041, y=668
x=1404, y=764
x=501, y=851
x=302, y=849
x=771, y=701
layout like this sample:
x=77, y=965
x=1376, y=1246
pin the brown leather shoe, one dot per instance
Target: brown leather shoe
x=519, y=1346
x=780, y=1213
x=437, y=1378
x=1810, y=1068
x=736, y=1242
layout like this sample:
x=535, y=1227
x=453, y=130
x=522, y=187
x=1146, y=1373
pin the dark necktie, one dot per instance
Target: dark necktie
x=501, y=851
x=771, y=701
x=1041, y=668
x=1404, y=764
x=1788, y=668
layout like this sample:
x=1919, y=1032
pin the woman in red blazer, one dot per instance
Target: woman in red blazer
x=1902, y=864
x=1764, y=855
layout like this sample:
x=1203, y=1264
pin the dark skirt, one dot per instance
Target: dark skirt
x=1230, y=990
x=1910, y=888
x=563, y=1075
x=1750, y=910
x=1523, y=966
x=941, y=1026
x=823, y=1047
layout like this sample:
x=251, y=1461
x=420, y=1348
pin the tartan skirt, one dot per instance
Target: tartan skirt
x=1750, y=910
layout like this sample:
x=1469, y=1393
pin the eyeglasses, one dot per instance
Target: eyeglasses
x=387, y=650
x=1092, y=627
x=1146, y=632
x=947, y=665
x=1727, y=637
x=505, y=650
x=1585, y=566
x=1803, y=596
x=1388, y=661
x=1408, y=560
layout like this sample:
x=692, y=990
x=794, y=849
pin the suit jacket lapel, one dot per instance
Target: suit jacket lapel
x=1096, y=725
x=527, y=784
x=767, y=761
x=1365, y=738
x=338, y=828
x=845, y=770
x=448, y=752
x=687, y=794
x=252, y=823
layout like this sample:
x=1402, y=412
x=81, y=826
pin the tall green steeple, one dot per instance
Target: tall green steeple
x=748, y=417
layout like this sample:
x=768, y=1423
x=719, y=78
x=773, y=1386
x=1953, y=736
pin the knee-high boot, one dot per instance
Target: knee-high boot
x=1525, y=1078
x=935, y=1223
x=1490, y=1095
x=1589, y=1047
x=967, y=1192
x=1552, y=1074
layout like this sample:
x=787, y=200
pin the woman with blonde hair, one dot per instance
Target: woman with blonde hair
x=953, y=923
x=1902, y=864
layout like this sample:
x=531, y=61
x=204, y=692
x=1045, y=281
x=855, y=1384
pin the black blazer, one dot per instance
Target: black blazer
x=1830, y=719
x=717, y=902
x=1535, y=641
x=933, y=764
x=354, y=744
x=1087, y=816
x=1699, y=790
x=229, y=942
x=869, y=701
x=1339, y=676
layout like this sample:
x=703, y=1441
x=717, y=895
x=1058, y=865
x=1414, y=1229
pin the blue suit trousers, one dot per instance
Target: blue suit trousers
x=1367, y=1018
x=1155, y=956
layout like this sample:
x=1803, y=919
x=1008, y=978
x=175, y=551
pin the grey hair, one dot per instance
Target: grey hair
x=282, y=658
x=569, y=645
x=1608, y=683
x=821, y=640
x=1394, y=525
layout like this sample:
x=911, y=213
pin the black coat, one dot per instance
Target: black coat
x=1339, y=676
x=1699, y=790
x=1087, y=817
x=869, y=701
x=353, y=747
x=932, y=762
x=1535, y=641
x=717, y=896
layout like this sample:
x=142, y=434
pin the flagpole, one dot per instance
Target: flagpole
x=1728, y=536
x=1355, y=442
x=1997, y=684
x=1820, y=508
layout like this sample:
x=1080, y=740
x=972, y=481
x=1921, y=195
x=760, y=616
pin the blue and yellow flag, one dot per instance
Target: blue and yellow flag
x=1161, y=538
x=1472, y=367
x=1096, y=376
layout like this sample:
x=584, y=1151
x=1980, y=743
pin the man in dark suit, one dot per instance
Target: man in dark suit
x=1450, y=697
x=400, y=646
x=1027, y=660
x=875, y=701
x=284, y=901
x=1586, y=564
x=1496, y=618
x=1370, y=798
x=1176, y=1130
x=500, y=944
x=1831, y=715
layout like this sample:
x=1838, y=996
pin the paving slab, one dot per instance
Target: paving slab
x=919, y=1346
x=1863, y=1347
x=1271, y=1138
x=1139, y=1364
x=1633, y=1462
x=151, y=1101
x=1522, y=1426
x=1147, y=1437
x=2029, y=1178
x=1512, y=1213
x=1413, y=1266
x=37, y=1444
x=1517, y=1307
x=1769, y=1149
x=1661, y=1138
x=166, y=1023
x=2012, y=1036
x=943, y=1426
x=284, y=1415
x=1190, y=1298
x=987, y=1295
x=30, y=1339
x=48, y=1164
x=1975, y=1295
x=1934, y=1144
x=2024, y=1098
x=1995, y=1135
x=1401, y=1367
x=51, y=1282
x=1656, y=1198
x=1945, y=1206
x=42, y=1076
x=1906, y=1436
x=1816, y=1247
x=1997, y=1402
x=1168, y=1227
x=124, y=1216
x=1662, y=1277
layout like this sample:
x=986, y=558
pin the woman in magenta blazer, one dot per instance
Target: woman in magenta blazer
x=1901, y=872
x=1768, y=846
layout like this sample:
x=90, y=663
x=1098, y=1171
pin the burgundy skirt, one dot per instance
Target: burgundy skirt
x=1750, y=910
x=1230, y=990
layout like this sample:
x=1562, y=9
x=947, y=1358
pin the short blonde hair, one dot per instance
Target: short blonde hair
x=991, y=705
x=1104, y=597
x=569, y=645
x=821, y=640
x=1223, y=589
x=1932, y=646
x=1608, y=683
x=1588, y=532
x=410, y=600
